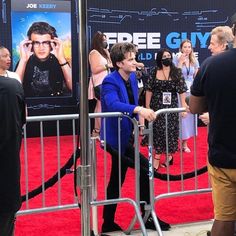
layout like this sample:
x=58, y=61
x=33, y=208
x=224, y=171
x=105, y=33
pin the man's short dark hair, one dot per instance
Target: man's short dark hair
x=41, y=28
x=119, y=50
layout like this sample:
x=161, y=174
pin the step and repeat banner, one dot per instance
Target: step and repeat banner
x=156, y=24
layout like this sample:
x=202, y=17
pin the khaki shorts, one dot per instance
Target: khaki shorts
x=223, y=183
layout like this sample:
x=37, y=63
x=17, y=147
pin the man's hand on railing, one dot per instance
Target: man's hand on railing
x=146, y=113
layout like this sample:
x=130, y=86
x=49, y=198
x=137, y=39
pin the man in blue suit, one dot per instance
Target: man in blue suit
x=119, y=93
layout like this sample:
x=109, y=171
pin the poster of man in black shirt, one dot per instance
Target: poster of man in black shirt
x=42, y=48
x=42, y=67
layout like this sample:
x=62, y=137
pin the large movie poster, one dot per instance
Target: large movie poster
x=159, y=24
x=42, y=50
x=149, y=24
x=43, y=39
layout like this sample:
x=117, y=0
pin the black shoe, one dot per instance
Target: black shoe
x=150, y=224
x=144, y=141
x=164, y=226
x=170, y=160
x=110, y=227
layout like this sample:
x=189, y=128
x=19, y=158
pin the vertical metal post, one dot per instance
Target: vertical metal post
x=85, y=168
x=94, y=185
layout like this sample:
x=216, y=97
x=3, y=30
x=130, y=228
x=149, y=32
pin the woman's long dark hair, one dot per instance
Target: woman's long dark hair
x=175, y=73
x=97, y=44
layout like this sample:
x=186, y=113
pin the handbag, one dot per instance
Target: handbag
x=97, y=90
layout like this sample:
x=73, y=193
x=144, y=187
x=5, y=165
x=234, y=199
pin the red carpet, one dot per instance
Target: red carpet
x=174, y=210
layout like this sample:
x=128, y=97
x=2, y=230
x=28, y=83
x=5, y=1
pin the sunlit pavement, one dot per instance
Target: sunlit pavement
x=191, y=229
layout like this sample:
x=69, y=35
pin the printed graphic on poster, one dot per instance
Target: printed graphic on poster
x=41, y=47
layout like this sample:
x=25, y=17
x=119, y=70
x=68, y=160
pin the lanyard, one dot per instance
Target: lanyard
x=188, y=68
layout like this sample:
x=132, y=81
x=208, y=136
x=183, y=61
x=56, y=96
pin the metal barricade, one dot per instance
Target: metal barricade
x=91, y=172
x=134, y=202
x=154, y=198
x=41, y=189
x=83, y=179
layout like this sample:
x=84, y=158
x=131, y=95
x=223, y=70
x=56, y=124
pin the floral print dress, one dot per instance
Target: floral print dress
x=164, y=95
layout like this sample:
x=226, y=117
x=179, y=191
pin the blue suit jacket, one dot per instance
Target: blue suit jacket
x=114, y=98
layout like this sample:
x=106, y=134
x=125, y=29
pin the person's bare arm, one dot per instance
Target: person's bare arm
x=66, y=69
x=57, y=46
x=182, y=97
x=95, y=62
x=25, y=53
x=148, y=98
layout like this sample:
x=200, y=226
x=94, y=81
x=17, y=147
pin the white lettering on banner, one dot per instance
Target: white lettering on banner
x=124, y=37
x=140, y=40
x=152, y=40
x=31, y=5
x=143, y=40
x=111, y=38
x=41, y=6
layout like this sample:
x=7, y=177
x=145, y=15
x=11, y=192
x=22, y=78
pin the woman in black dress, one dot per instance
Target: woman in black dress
x=162, y=88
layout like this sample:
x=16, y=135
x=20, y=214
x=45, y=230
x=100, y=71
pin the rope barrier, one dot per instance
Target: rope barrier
x=49, y=183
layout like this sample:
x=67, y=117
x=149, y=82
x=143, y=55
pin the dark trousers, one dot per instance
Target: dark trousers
x=127, y=160
x=7, y=223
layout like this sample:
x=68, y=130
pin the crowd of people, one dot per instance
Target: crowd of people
x=210, y=86
x=172, y=80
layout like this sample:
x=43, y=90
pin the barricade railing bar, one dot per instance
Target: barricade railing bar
x=40, y=120
x=135, y=203
x=73, y=203
x=59, y=206
x=154, y=198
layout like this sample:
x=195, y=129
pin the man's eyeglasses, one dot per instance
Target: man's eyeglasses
x=36, y=44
